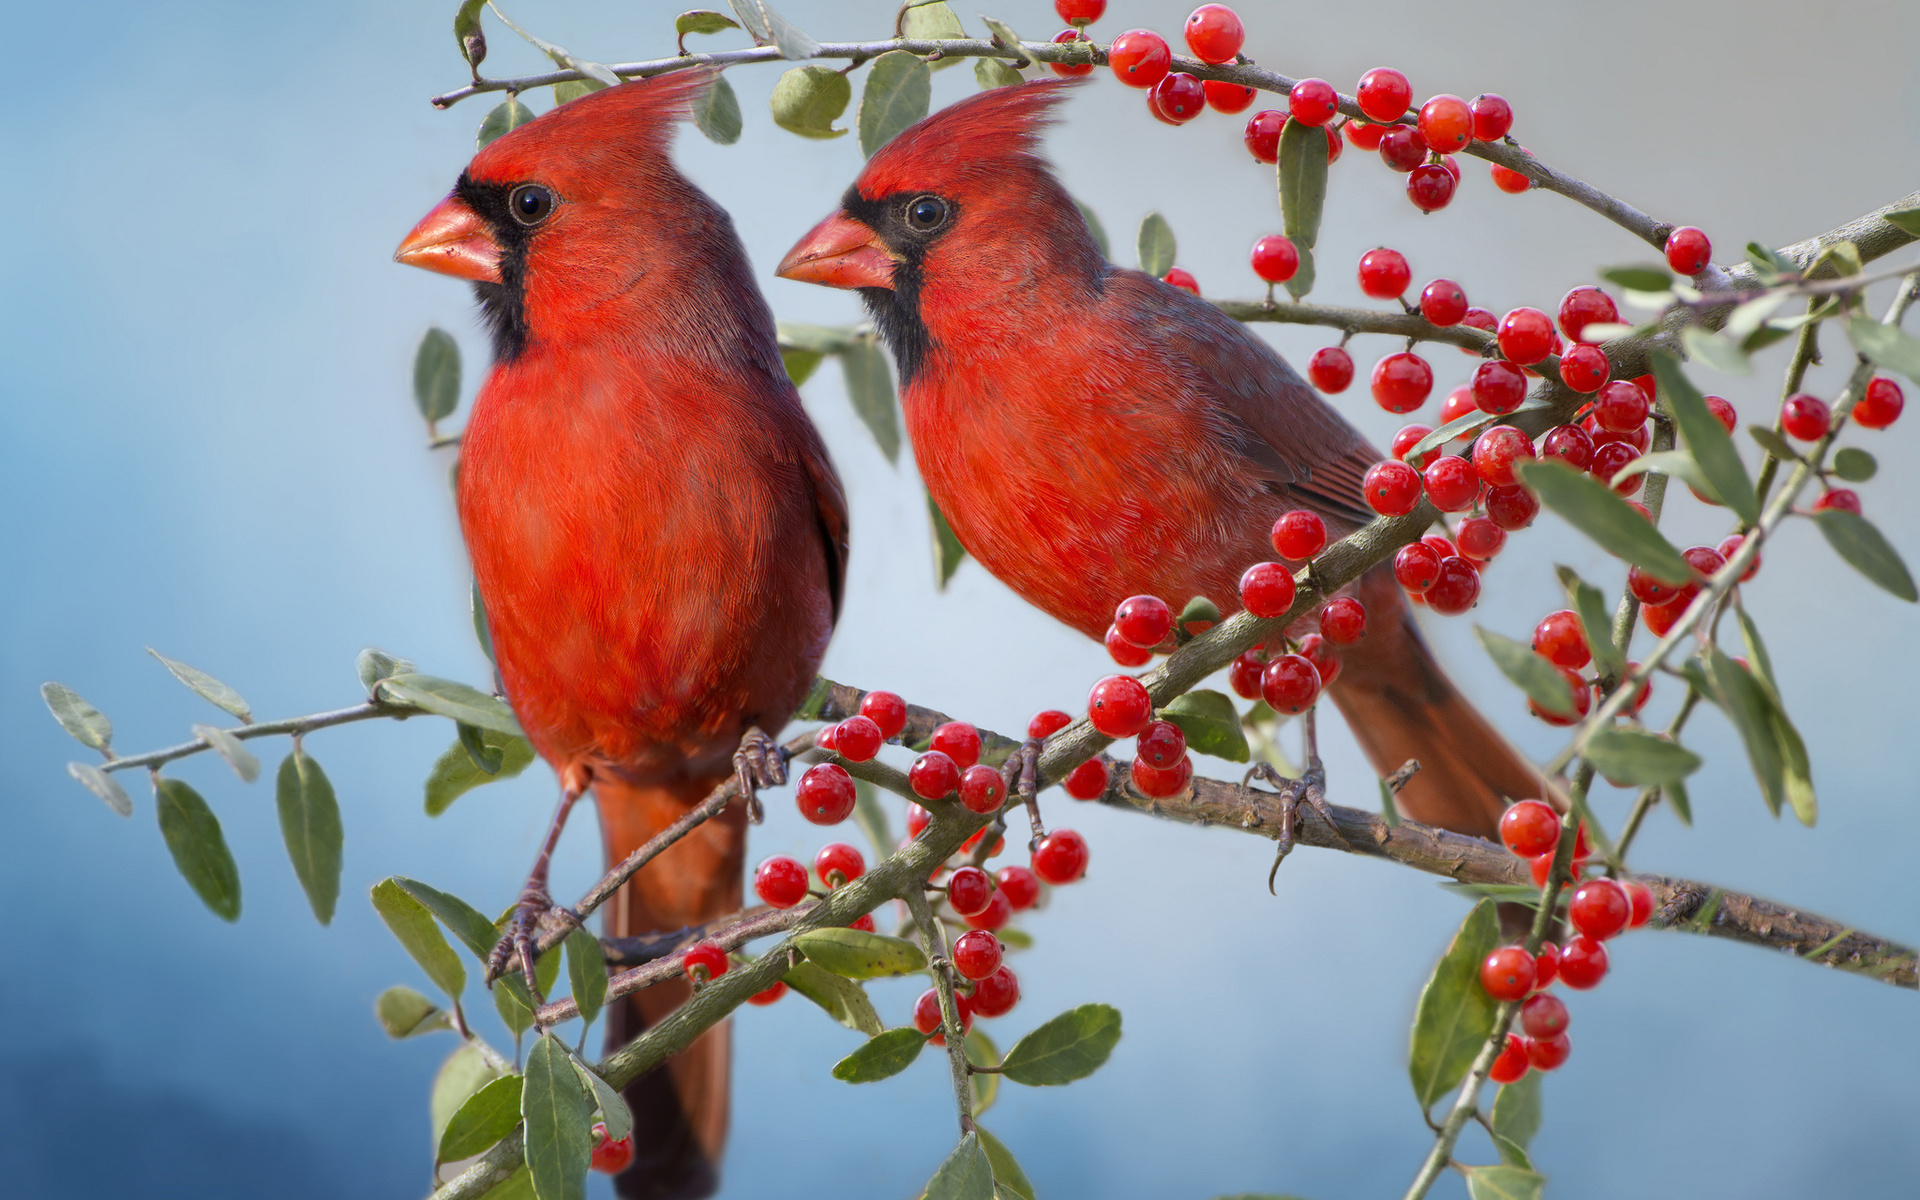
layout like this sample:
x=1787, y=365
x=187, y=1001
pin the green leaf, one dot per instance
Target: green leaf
x=966, y=1175
x=481, y=632
x=607, y=1102
x=1512, y=1153
x=1676, y=794
x=1504, y=1183
x=1532, y=674
x=1010, y=1182
x=1303, y=182
x=505, y=118
x=702, y=20
x=1640, y=277
x=766, y=25
x=1303, y=275
x=1095, y=228
x=199, y=849
x=1591, y=607
x=374, y=665
x=857, y=954
x=467, y=35
x=1592, y=507
x=1071, y=1046
x=948, y=553
x=1854, y=464
x=230, y=748
x=800, y=364
x=208, y=688
x=991, y=73
x=1747, y=706
x=573, y=89
x=560, y=56
x=1211, y=724
x=1888, y=345
x=462, y=919
x=586, y=973
x=446, y=698
x=870, y=389
x=1750, y=316
x=844, y=1000
x=1463, y=426
x=487, y=1116
x=1773, y=443
x=1677, y=463
x=1717, y=352
x=1867, y=551
x=456, y=773
x=1904, y=218
x=872, y=819
x=310, y=823
x=412, y=924
x=716, y=112
x=102, y=785
x=1844, y=257
x=472, y=741
x=1629, y=756
x=515, y=1007
x=1156, y=245
x=826, y=339
x=403, y=1013
x=808, y=100
x=881, y=1057
x=932, y=22
x=985, y=1085
x=1455, y=1015
x=76, y=716
x=1706, y=439
x=898, y=90
x=464, y=1072
x=1014, y=938
x=559, y=1122
x=1796, y=769
x=1770, y=263
x=1516, y=1110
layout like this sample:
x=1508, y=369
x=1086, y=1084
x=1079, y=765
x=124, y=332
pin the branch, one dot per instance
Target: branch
x=1410, y=325
x=369, y=711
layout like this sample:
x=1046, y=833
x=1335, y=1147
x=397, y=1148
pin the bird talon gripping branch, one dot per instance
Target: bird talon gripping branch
x=759, y=762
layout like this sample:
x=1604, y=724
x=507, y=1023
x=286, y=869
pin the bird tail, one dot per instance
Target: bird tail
x=1400, y=705
x=680, y=1107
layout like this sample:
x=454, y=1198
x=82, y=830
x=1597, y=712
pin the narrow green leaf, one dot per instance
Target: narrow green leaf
x=230, y=748
x=206, y=686
x=1717, y=352
x=1303, y=182
x=456, y=774
x=1773, y=443
x=1631, y=757
x=1676, y=463
x=1014, y=938
x=559, y=54
x=1866, y=550
x=1465, y=426
x=403, y=1013
x=870, y=390
x=948, y=553
x=1009, y=1181
x=826, y=339
x=436, y=382
x=1512, y=1153
x=857, y=954
x=1854, y=464
x=766, y=25
x=1591, y=607
x=1455, y=1014
x=990, y=73
x=1796, y=768
x=586, y=973
x=702, y=20
x=966, y=1175
x=1763, y=337
x=412, y=923
x=80, y=719
x=808, y=100
x=1071, y=1046
x=844, y=1000
x=932, y=22
x=1904, y=218
x=1504, y=1183
x=310, y=823
x=898, y=90
x=1516, y=1110
x=460, y=918
x=199, y=849
x=515, y=1007
x=1888, y=345
x=559, y=1122
x=482, y=633
x=607, y=1102
x=716, y=112
x=466, y=33
x=985, y=1085
x=503, y=119
x=1640, y=277
x=1843, y=256
x=1747, y=706
x=1770, y=263
x=487, y=1116
x=1752, y=315
x=1303, y=275
x=1211, y=724
x=1532, y=674
x=1156, y=245
x=1389, y=810
x=447, y=698
x=102, y=785
x=374, y=665
x=487, y=758
x=464, y=1072
x=1592, y=507
x=881, y=1057
x=872, y=819
x=1095, y=228
x=1676, y=794
x=800, y=364
x=1706, y=439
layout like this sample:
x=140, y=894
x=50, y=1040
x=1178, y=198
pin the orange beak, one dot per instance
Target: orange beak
x=453, y=240
x=840, y=252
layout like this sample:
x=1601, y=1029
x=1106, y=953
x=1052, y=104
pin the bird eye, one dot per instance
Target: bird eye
x=927, y=213
x=530, y=204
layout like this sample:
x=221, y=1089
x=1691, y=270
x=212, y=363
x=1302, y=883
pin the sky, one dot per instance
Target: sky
x=208, y=446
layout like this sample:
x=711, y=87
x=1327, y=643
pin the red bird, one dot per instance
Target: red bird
x=658, y=536
x=1092, y=433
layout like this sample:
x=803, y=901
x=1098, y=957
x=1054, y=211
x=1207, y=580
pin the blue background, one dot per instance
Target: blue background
x=208, y=445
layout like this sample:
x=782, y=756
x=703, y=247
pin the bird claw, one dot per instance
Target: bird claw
x=759, y=762
x=521, y=941
x=1309, y=789
x=1021, y=773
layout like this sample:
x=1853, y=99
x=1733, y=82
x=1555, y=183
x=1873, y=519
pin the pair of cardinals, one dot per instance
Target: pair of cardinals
x=661, y=542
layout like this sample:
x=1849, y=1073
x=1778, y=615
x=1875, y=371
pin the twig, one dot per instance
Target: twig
x=935, y=938
x=1360, y=320
x=370, y=711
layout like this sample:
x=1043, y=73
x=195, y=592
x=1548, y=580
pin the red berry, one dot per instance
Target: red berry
x=1841, y=499
x=1183, y=279
x=1069, y=70
x=857, y=739
x=1582, y=701
x=1456, y=589
x=1512, y=508
x=976, y=953
x=1402, y=148
x=933, y=776
x=1659, y=618
x=1162, y=744
x=1243, y=674
x=1384, y=273
x=1880, y=406
x=998, y=912
x=1392, y=488
x=1119, y=706
x=1447, y=123
x=1263, y=134
x=1530, y=828
x=1805, y=417
x=1621, y=408
x=1080, y=12
x=1124, y=652
x=611, y=1157
x=928, y=1018
x=1409, y=437
x=982, y=790
x=1443, y=303
x=1047, y=723
x=1583, y=963
x=1416, y=567
x=1546, y=1054
x=959, y=741
x=1607, y=462
x=1439, y=545
x=1290, y=684
x=1730, y=547
x=1560, y=639
x=886, y=710
x=1546, y=965
x=1214, y=33
x=1158, y=783
x=1584, y=368
x=1512, y=1064
x=1459, y=403
x=1507, y=973
x=1723, y=412
x=917, y=820
x=1088, y=781
x=1640, y=900
x=1538, y=868
x=780, y=881
x=1325, y=659
x=1144, y=621
x=1492, y=117
x=827, y=737
x=1020, y=886
x=1364, y=134
x=1649, y=589
x=1343, y=621
x=1299, y=535
x=1599, y=908
x=1179, y=97
x=1312, y=102
x=1499, y=387
x=1402, y=382
x=1497, y=450
x=769, y=996
x=1526, y=335
x=704, y=961
x=1061, y=857
x=825, y=794
x=1431, y=186
x=1267, y=590
x=1384, y=94
x=1511, y=182
x=1330, y=368
x=1275, y=259
x=1568, y=443
x=995, y=995
x=1452, y=483
x=1584, y=306
x=1481, y=319
x=969, y=891
x=1229, y=98
x=838, y=863
x=1688, y=250
x=1140, y=58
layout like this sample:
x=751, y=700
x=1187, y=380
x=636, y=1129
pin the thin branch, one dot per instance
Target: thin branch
x=372, y=710
x=934, y=935
x=1360, y=320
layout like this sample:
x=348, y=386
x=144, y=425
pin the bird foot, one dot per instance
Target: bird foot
x=1309, y=789
x=759, y=762
x=521, y=941
x=1021, y=772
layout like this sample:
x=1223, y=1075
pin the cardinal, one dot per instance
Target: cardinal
x=657, y=534
x=1092, y=433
